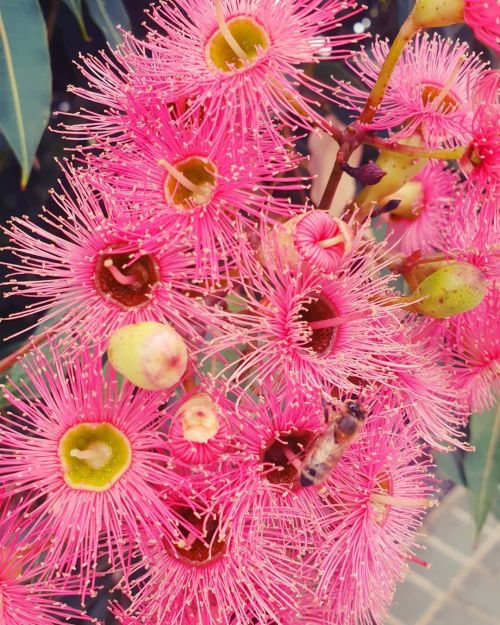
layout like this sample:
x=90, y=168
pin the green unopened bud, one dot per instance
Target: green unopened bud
x=151, y=355
x=450, y=291
x=399, y=168
x=436, y=13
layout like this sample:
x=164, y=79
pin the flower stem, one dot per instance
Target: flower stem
x=406, y=32
x=420, y=152
x=353, y=135
x=345, y=150
x=7, y=362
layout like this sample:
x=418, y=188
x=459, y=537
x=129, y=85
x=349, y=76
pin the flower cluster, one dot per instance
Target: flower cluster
x=235, y=405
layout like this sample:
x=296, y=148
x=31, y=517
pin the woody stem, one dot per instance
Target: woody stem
x=353, y=136
x=406, y=32
x=7, y=362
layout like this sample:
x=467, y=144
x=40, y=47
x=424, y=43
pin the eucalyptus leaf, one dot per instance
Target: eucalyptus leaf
x=482, y=467
x=75, y=6
x=495, y=508
x=25, y=79
x=15, y=375
x=449, y=465
x=108, y=14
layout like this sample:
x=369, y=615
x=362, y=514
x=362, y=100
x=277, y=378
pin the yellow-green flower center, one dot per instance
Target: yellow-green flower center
x=190, y=182
x=94, y=456
x=251, y=39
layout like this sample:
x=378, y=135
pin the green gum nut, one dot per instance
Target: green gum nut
x=151, y=355
x=435, y=13
x=450, y=291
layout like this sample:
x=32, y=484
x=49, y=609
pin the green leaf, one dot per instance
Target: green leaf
x=496, y=504
x=449, y=465
x=107, y=14
x=25, y=79
x=482, y=467
x=16, y=373
x=75, y=6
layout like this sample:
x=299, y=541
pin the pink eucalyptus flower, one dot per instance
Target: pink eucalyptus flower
x=473, y=354
x=374, y=508
x=473, y=231
x=198, y=180
x=97, y=276
x=26, y=595
x=112, y=91
x=421, y=392
x=481, y=162
x=221, y=570
x=429, y=90
x=87, y=461
x=245, y=57
x=423, y=213
x=315, y=332
x=484, y=19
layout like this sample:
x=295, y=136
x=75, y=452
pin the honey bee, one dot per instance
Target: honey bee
x=329, y=447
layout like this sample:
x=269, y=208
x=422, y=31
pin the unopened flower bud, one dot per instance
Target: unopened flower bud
x=151, y=355
x=399, y=168
x=436, y=13
x=449, y=291
x=409, y=198
x=199, y=418
x=315, y=238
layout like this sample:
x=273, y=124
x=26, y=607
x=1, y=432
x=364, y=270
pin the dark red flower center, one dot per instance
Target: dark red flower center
x=126, y=278
x=198, y=550
x=284, y=452
x=320, y=309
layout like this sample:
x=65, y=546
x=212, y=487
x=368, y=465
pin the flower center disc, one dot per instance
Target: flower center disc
x=320, y=309
x=199, y=551
x=431, y=92
x=128, y=284
x=94, y=456
x=251, y=37
x=201, y=172
x=278, y=453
